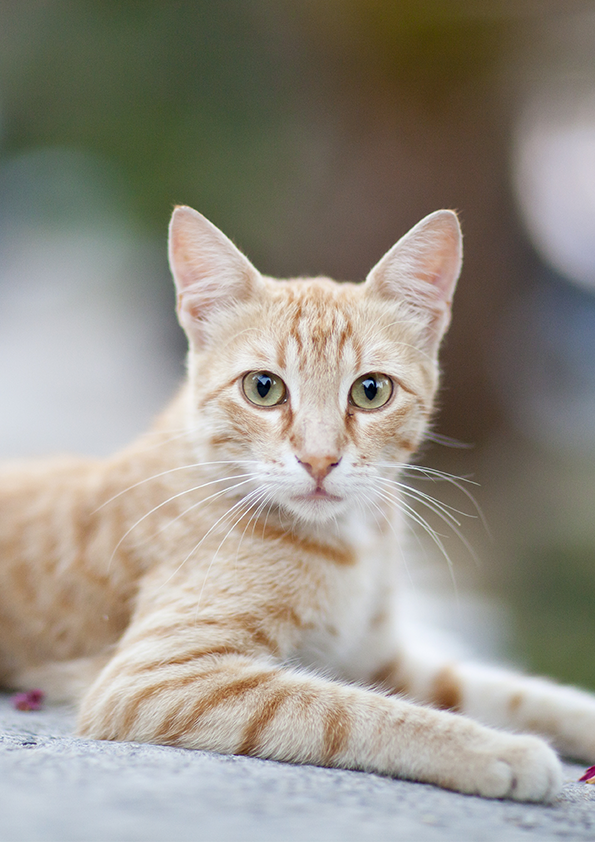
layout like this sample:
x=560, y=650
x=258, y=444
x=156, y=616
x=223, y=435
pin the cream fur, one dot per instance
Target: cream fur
x=228, y=581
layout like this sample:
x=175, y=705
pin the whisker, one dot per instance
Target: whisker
x=431, y=472
x=173, y=470
x=180, y=433
x=169, y=500
x=456, y=482
x=445, y=508
x=197, y=504
x=434, y=475
x=415, y=517
x=398, y=538
x=206, y=535
x=266, y=520
x=268, y=496
x=441, y=510
x=447, y=441
x=257, y=512
x=252, y=518
x=255, y=501
x=253, y=494
x=428, y=529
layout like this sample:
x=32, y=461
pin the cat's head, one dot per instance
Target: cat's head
x=315, y=388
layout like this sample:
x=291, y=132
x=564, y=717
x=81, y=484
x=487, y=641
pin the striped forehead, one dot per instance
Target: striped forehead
x=318, y=327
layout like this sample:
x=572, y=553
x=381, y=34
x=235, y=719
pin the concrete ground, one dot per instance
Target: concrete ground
x=54, y=786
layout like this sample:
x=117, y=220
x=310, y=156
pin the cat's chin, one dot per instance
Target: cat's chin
x=318, y=508
x=318, y=494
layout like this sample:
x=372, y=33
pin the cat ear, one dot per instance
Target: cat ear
x=423, y=268
x=210, y=273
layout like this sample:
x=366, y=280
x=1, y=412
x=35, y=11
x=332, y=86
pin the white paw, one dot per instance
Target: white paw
x=519, y=767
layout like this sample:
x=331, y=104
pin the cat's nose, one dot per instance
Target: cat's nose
x=319, y=466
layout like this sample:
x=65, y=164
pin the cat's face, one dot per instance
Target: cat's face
x=315, y=388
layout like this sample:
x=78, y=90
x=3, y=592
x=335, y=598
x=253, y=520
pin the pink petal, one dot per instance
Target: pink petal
x=30, y=700
x=589, y=776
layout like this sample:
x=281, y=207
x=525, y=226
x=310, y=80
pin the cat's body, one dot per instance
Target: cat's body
x=228, y=582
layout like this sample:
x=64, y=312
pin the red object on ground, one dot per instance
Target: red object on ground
x=589, y=776
x=30, y=700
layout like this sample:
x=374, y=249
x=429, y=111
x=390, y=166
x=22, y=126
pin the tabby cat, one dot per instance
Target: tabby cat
x=227, y=582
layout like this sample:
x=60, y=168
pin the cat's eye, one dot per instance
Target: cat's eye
x=264, y=388
x=371, y=391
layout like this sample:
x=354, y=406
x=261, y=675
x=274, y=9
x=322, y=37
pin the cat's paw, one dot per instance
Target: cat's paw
x=523, y=768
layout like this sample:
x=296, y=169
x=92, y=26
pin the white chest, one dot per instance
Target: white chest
x=356, y=602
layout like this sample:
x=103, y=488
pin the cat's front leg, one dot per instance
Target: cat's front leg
x=173, y=687
x=499, y=697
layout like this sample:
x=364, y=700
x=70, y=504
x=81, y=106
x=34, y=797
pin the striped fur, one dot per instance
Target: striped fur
x=228, y=581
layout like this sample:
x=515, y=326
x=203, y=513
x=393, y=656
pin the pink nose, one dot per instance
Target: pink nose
x=319, y=466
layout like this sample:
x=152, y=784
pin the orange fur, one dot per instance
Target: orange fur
x=227, y=581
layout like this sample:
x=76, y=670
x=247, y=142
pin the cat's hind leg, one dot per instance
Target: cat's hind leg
x=497, y=697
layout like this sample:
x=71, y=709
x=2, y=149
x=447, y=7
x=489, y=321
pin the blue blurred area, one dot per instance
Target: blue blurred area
x=546, y=366
x=88, y=339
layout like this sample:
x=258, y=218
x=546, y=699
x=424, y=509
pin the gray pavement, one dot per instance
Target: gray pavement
x=54, y=786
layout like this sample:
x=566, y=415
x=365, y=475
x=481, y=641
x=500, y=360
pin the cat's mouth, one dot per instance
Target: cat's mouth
x=318, y=494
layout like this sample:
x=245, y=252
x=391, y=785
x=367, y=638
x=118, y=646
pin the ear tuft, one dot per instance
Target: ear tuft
x=210, y=273
x=423, y=269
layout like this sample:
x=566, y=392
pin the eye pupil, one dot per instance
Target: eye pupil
x=370, y=388
x=263, y=385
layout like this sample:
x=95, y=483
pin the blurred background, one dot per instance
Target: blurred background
x=315, y=133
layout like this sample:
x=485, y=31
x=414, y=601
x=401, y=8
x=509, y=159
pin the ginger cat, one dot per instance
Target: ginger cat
x=227, y=582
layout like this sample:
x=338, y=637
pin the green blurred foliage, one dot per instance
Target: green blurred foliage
x=180, y=95
x=551, y=592
x=429, y=48
x=216, y=104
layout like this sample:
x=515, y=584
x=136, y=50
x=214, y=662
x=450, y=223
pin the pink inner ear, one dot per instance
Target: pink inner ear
x=199, y=251
x=423, y=269
x=444, y=262
x=184, y=267
x=210, y=273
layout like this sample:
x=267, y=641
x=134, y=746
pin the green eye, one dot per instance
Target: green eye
x=371, y=391
x=263, y=388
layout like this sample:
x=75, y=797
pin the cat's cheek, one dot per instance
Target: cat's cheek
x=376, y=436
x=259, y=433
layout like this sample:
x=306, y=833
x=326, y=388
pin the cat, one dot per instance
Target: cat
x=227, y=582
